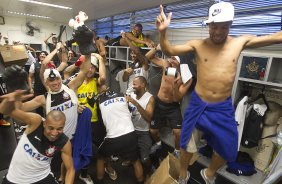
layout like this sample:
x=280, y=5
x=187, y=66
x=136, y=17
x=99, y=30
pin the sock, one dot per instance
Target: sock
x=83, y=172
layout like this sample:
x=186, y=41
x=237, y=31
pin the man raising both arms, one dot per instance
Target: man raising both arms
x=210, y=108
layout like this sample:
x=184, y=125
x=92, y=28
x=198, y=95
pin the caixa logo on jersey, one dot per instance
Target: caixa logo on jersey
x=33, y=153
x=64, y=106
x=114, y=100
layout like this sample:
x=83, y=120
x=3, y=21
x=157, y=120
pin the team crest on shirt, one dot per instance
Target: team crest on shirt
x=50, y=151
x=66, y=95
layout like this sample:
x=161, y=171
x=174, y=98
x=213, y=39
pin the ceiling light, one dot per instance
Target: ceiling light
x=31, y=15
x=47, y=4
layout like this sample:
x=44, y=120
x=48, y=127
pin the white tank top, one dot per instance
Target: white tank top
x=32, y=157
x=62, y=102
x=115, y=114
x=139, y=123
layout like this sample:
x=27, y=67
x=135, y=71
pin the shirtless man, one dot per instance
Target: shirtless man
x=216, y=59
x=170, y=94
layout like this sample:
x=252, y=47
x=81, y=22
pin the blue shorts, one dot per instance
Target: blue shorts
x=216, y=121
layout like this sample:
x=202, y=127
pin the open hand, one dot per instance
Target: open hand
x=59, y=45
x=162, y=21
x=98, y=56
x=18, y=95
x=129, y=99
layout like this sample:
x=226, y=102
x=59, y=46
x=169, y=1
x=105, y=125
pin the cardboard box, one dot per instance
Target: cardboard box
x=13, y=54
x=167, y=173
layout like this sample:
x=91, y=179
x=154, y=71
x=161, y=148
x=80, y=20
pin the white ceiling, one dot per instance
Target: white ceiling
x=94, y=8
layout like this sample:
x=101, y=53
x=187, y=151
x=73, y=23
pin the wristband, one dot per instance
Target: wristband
x=51, y=65
x=79, y=61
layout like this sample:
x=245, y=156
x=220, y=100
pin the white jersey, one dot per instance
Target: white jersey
x=136, y=72
x=32, y=157
x=62, y=102
x=115, y=114
x=31, y=59
x=140, y=123
x=122, y=85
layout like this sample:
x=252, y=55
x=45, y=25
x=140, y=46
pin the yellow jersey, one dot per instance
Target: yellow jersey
x=86, y=93
x=140, y=37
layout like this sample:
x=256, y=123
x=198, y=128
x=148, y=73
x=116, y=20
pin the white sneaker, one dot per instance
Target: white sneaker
x=207, y=180
x=184, y=181
x=87, y=180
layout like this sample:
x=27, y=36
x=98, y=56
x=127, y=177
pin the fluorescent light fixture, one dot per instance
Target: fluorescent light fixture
x=46, y=4
x=30, y=15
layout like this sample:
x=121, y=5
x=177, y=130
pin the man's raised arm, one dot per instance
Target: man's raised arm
x=46, y=61
x=8, y=107
x=162, y=24
x=142, y=59
x=84, y=68
x=151, y=56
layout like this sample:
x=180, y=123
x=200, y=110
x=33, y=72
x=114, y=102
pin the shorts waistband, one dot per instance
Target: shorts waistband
x=165, y=103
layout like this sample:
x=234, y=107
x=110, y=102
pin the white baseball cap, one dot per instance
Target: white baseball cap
x=177, y=58
x=94, y=60
x=51, y=74
x=221, y=12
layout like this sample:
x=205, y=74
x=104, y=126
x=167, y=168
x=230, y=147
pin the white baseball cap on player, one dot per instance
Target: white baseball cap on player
x=220, y=12
x=51, y=74
x=94, y=60
x=177, y=58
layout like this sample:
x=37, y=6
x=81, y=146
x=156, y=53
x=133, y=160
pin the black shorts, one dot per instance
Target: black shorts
x=144, y=144
x=114, y=41
x=50, y=179
x=98, y=133
x=166, y=113
x=124, y=146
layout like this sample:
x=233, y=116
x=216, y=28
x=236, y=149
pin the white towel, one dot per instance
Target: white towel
x=241, y=110
x=186, y=74
x=63, y=88
x=240, y=115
